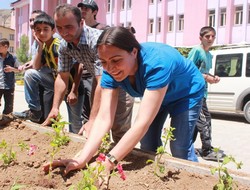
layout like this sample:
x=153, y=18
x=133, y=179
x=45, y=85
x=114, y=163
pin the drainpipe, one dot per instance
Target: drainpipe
x=155, y=19
x=30, y=31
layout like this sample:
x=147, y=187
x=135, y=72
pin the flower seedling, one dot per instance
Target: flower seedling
x=94, y=173
x=59, y=138
x=161, y=150
x=17, y=186
x=8, y=155
x=225, y=179
x=23, y=146
x=105, y=145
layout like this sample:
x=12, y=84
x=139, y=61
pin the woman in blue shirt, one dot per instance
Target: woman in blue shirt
x=168, y=83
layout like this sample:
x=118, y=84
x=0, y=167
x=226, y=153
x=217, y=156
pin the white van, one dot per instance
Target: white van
x=232, y=93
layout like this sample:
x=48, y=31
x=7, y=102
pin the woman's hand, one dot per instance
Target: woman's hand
x=69, y=164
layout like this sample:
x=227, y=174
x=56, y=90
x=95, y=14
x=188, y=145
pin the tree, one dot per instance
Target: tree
x=23, y=51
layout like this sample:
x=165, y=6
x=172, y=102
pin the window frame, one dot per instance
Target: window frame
x=181, y=22
x=211, y=18
x=238, y=16
x=223, y=16
x=170, y=23
x=151, y=26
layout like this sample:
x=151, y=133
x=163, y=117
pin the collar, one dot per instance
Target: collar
x=7, y=55
x=82, y=41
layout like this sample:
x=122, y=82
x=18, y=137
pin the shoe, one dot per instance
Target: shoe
x=5, y=119
x=31, y=115
x=198, y=152
x=213, y=156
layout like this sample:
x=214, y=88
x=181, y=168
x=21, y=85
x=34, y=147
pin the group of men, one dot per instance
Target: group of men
x=65, y=67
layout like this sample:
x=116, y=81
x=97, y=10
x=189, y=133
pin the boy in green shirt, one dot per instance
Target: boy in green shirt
x=202, y=58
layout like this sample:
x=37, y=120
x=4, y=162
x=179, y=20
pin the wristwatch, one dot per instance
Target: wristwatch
x=112, y=159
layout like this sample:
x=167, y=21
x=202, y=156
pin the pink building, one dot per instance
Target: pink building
x=175, y=22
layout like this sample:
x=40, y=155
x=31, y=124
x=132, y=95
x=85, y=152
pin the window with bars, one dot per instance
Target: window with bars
x=170, y=23
x=123, y=5
x=108, y=6
x=11, y=49
x=159, y=25
x=238, y=15
x=223, y=17
x=248, y=14
x=211, y=18
x=151, y=26
x=181, y=23
x=129, y=4
x=11, y=37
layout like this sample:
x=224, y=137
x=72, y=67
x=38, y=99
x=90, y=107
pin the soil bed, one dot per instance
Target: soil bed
x=27, y=170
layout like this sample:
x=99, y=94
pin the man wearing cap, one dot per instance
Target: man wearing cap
x=89, y=11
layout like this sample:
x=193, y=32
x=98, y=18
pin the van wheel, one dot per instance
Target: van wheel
x=247, y=111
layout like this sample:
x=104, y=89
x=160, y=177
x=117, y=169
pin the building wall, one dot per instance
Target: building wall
x=9, y=34
x=5, y=17
x=196, y=13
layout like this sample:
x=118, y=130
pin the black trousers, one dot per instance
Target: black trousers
x=8, y=95
x=203, y=126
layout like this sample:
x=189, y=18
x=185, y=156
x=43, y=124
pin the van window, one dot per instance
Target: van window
x=229, y=65
x=248, y=65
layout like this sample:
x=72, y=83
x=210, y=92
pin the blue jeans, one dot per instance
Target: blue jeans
x=33, y=78
x=184, y=124
x=75, y=116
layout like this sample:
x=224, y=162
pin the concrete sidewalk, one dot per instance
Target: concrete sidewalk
x=231, y=136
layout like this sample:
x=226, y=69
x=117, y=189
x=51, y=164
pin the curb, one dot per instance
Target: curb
x=193, y=167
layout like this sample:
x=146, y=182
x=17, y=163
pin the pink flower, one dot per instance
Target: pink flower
x=32, y=149
x=101, y=157
x=121, y=172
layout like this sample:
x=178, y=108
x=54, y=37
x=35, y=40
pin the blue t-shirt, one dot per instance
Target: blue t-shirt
x=162, y=65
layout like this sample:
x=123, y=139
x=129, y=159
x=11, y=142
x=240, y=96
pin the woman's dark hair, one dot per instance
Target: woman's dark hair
x=44, y=19
x=119, y=37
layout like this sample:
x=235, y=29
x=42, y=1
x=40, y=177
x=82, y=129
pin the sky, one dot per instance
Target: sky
x=5, y=4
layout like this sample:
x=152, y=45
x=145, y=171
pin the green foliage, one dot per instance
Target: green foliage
x=17, y=186
x=183, y=51
x=22, y=51
x=90, y=177
x=106, y=143
x=8, y=154
x=59, y=138
x=225, y=179
x=161, y=150
x=23, y=146
x=95, y=173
